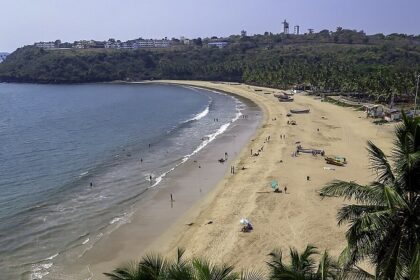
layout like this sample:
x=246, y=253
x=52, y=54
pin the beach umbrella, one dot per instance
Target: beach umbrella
x=274, y=184
x=244, y=221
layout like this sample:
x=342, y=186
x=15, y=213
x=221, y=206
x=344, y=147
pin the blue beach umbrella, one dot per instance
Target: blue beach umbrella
x=274, y=184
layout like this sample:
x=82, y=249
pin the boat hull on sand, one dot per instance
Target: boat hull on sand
x=299, y=111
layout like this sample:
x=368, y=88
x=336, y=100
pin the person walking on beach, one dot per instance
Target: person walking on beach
x=141, y=160
x=226, y=155
x=285, y=189
x=150, y=177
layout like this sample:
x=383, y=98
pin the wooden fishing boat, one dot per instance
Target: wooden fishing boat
x=284, y=98
x=340, y=159
x=299, y=111
x=333, y=161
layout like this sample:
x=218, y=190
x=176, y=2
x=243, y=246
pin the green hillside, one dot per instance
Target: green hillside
x=343, y=61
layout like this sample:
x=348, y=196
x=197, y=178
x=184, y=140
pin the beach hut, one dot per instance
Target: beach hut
x=392, y=115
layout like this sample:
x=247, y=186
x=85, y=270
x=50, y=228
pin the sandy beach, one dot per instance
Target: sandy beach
x=296, y=218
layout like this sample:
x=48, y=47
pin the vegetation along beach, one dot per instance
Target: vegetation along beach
x=210, y=140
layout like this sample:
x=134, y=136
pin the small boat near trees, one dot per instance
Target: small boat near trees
x=334, y=161
x=299, y=111
x=284, y=97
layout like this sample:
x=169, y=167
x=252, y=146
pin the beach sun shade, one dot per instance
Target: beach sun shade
x=244, y=221
x=274, y=184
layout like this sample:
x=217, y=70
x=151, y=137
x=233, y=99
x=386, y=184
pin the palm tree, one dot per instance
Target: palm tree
x=204, y=270
x=303, y=266
x=156, y=267
x=385, y=221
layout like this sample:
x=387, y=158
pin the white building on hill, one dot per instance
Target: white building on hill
x=220, y=45
x=45, y=45
x=151, y=44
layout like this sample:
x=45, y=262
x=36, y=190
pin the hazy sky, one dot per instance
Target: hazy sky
x=23, y=22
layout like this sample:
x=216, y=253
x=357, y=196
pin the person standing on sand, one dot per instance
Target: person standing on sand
x=285, y=189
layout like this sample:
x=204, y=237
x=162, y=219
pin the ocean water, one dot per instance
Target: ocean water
x=55, y=140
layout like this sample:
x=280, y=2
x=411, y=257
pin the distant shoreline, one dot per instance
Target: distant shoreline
x=294, y=219
x=188, y=184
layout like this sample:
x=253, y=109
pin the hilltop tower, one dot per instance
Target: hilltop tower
x=285, y=27
x=296, y=30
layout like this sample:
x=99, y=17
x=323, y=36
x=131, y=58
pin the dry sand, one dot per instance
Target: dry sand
x=280, y=220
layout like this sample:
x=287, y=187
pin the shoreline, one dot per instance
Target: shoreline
x=295, y=219
x=155, y=213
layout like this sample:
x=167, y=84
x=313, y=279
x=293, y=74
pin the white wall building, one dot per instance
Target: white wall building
x=184, y=40
x=220, y=45
x=45, y=45
x=151, y=44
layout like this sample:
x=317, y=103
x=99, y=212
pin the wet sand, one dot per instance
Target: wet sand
x=188, y=184
x=280, y=220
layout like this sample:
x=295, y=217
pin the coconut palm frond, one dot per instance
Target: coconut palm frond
x=306, y=262
x=380, y=163
x=251, y=275
x=357, y=273
x=344, y=259
x=327, y=268
x=301, y=266
x=181, y=269
x=388, y=262
x=177, y=272
x=349, y=190
x=350, y=212
x=415, y=264
x=153, y=266
x=128, y=271
x=204, y=270
x=179, y=254
x=394, y=199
